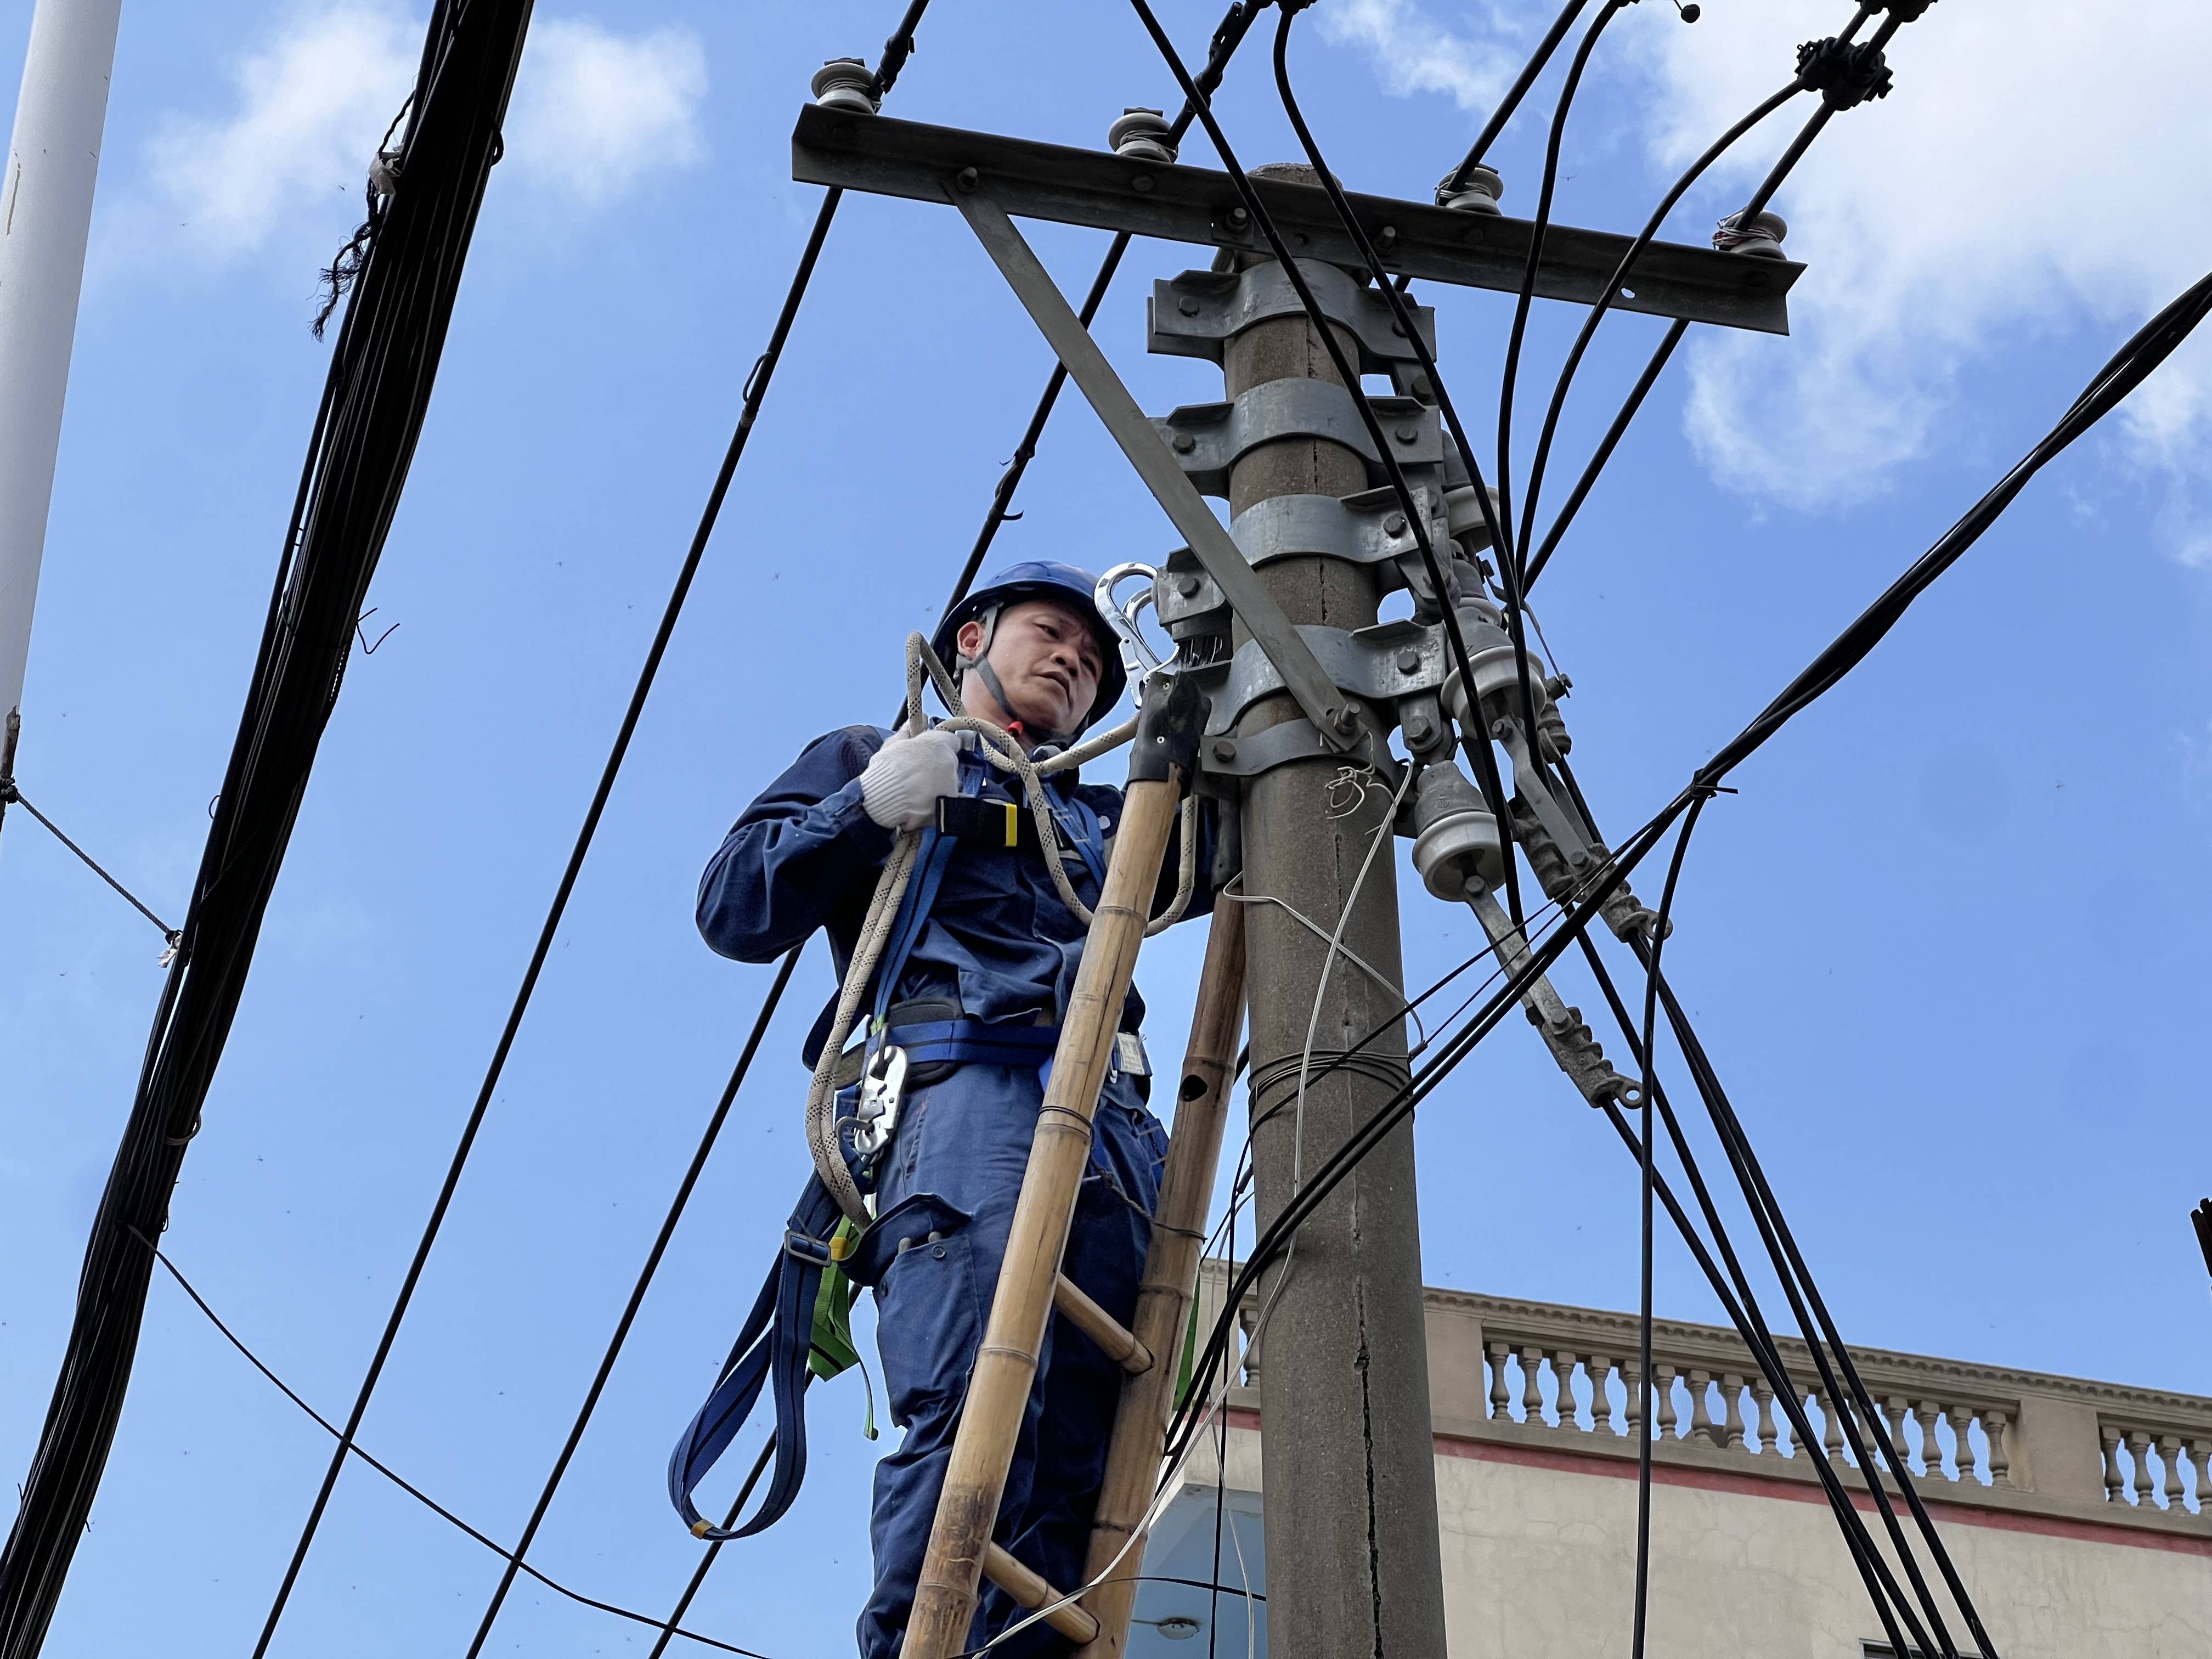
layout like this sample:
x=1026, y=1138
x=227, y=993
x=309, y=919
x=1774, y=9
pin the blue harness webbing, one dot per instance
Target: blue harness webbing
x=777, y=1340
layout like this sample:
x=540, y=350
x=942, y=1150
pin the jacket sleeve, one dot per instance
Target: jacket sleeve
x=799, y=855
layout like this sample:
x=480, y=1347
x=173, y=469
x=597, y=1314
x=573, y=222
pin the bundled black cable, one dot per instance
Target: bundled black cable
x=373, y=409
x=2134, y=363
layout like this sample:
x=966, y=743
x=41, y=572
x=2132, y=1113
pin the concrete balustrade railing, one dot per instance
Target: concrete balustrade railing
x=1551, y=1380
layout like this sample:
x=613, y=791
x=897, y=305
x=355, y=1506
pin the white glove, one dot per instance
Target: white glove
x=906, y=775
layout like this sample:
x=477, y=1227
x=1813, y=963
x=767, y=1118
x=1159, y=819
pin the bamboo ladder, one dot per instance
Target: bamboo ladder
x=1031, y=1286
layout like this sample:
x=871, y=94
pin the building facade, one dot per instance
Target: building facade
x=2078, y=1514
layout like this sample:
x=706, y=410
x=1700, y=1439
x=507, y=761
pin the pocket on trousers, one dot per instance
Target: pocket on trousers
x=929, y=1314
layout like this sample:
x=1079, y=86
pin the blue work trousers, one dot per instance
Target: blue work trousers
x=957, y=1166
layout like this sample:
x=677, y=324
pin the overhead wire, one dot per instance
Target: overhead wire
x=1347, y=375
x=1492, y=516
x=1900, y=14
x=354, y=1448
x=1457, y=179
x=644, y=1282
x=1228, y=35
x=1509, y=381
x=1597, y=313
x=375, y=397
x=1647, y=1419
x=1888, y=1598
x=1740, y=1306
x=668, y=1628
x=12, y=795
x=2151, y=346
x=756, y=391
x=1761, y=1340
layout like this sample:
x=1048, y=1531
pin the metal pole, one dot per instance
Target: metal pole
x=45, y=215
x=1347, y=1460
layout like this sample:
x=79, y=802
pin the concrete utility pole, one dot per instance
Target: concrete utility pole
x=46, y=215
x=1353, y=1558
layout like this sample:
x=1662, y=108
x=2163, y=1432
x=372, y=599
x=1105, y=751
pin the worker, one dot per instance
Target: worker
x=979, y=974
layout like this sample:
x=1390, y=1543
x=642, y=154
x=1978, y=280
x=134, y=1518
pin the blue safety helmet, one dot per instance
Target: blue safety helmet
x=1039, y=579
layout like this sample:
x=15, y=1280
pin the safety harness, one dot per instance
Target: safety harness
x=799, y=1326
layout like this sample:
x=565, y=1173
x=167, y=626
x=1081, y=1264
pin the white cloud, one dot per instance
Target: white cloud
x=311, y=106
x=2033, y=174
x=2026, y=177
x=593, y=112
x=1413, y=54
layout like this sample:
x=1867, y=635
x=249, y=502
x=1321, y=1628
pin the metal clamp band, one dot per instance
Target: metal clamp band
x=1199, y=312
x=1381, y=664
x=1263, y=750
x=1209, y=439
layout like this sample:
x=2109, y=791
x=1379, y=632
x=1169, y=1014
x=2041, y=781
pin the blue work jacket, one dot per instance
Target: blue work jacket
x=998, y=939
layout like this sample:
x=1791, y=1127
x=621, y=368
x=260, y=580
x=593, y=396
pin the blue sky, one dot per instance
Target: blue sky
x=1940, y=945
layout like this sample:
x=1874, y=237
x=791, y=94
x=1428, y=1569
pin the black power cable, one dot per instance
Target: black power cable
x=373, y=403
x=2157, y=341
x=1513, y=95
x=1402, y=314
x=1621, y=273
x=1789, y=1276
x=756, y=390
x=1228, y=35
x=1737, y=1299
x=1225, y=43
x=1347, y=374
x=1611, y=441
x=675, y=1208
x=2127, y=367
x=409, y=1486
x=1510, y=381
x=11, y=795
x=1838, y=57
x=1647, y=1422
x=1852, y=1398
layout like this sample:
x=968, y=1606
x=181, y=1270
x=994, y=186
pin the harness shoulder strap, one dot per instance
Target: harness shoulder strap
x=1077, y=817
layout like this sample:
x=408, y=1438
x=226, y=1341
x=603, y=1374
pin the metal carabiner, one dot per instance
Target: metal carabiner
x=875, y=1120
x=1136, y=649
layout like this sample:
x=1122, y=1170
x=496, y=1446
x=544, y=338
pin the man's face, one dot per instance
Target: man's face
x=1047, y=660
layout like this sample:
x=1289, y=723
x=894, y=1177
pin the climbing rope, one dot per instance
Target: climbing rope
x=1002, y=749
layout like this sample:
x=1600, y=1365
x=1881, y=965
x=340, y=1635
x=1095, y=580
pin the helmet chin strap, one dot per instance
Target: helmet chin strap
x=980, y=666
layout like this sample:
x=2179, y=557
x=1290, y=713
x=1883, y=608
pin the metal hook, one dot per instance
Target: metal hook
x=1121, y=616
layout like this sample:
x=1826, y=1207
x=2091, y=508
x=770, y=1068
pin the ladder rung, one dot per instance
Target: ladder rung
x=1101, y=1327
x=1031, y=1592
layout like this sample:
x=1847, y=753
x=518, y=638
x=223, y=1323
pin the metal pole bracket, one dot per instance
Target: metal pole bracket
x=1209, y=439
x=1199, y=312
